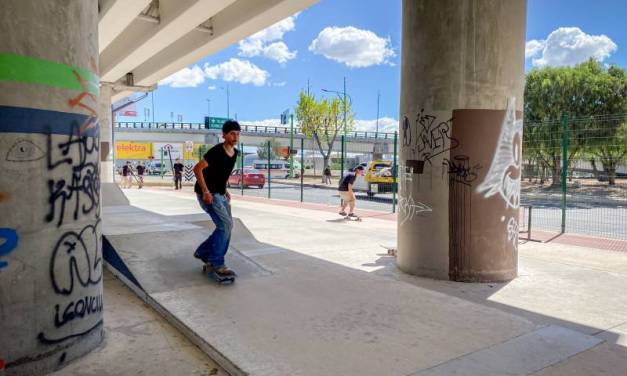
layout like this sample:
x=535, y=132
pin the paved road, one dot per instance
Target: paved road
x=582, y=217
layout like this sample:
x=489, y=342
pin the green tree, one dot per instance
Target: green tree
x=323, y=120
x=262, y=149
x=588, y=93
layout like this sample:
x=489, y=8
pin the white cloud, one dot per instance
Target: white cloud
x=353, y=47
x=386, y=124
x=279, y=84
x=268, y=42
x=533, y=48
x=569, y=46
x=186, y=77
x=242, y=71
x=212, y=87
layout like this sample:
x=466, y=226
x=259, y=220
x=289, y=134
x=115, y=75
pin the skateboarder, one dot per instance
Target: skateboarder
x=178, y=174
x=346, y=191
x=212, y=173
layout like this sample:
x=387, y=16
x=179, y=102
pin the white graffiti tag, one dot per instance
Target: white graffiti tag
x=512, y=232
x=408, y=208
x=503, y=178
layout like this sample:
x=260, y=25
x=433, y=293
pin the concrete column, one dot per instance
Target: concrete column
x=50, y=236
x=106, y=133
x=462, y=78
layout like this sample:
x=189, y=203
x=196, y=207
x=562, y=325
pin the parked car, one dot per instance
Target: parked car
x=252, y=177
x=378, y=178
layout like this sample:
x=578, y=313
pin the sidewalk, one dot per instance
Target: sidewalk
x=319, y=296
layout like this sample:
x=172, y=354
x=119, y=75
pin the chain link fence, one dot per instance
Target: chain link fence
x=310, y=170
x=574, y=175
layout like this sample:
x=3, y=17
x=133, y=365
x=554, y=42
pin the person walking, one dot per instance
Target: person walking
x=178, y=174
x=126, y=175
x=327, y=175
x=140, y=174
x=347, y=195
x=212, y=173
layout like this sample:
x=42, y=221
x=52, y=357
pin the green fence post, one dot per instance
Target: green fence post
x=269, y=174
x=342, y=158
x=291, y=146
x=302, y=166
x=161, y=172
x=241, y=170
x=394, y=174
x=564, y=167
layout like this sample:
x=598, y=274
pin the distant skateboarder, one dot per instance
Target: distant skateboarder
x=346, y=191
x=212, y=173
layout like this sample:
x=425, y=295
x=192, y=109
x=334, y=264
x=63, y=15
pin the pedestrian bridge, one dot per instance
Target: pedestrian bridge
x=356, y=141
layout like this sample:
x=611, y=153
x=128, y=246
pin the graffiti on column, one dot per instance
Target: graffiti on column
x=428, y=137
x=83, y=187
x=409, y=209
x=8, y=242
x=24, y=151
x=461, y=174
x=75, y=265
x=504, y=176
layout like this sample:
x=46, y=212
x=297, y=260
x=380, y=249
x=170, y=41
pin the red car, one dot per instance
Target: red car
x=252, y=177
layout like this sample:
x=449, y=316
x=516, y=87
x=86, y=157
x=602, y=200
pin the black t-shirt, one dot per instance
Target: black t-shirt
x=126, y=170
x=140, y=170
x=218, y=171
x=178, y=168
x=348, y=179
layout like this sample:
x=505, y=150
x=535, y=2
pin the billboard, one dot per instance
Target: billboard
x=132, y=150
x=129, y=110
x=172, y=150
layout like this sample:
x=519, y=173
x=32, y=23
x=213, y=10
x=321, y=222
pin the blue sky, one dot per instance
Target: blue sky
x=360, y=40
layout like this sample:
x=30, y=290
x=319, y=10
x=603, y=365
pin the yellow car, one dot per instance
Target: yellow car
x=378, y=178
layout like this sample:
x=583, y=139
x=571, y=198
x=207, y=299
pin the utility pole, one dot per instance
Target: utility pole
x=228, y=113
x=152, y=99
x=208, y=107
x=344, y=139
x=291, y=145
x=378, y=98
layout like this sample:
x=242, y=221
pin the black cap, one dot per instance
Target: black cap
x=359, y=168
x=230, y=125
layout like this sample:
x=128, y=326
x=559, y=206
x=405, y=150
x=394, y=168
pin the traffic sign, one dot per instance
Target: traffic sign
x=214, y=122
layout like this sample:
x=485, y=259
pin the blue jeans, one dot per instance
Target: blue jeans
x=214, y=248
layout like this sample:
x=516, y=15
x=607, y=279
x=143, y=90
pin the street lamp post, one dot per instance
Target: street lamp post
x=342, y=95
x=228, y=94
x=208, y=107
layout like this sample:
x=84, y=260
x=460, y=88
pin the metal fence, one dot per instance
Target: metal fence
x=574, y=175
x=300, y=174
x=574, y=171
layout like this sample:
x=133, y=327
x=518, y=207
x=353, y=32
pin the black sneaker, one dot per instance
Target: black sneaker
x=342, y=213
x=223, y=271
x=352, y=215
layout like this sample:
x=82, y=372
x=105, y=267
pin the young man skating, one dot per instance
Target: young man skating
x=212, y=173
x=346, y=191
x=140, y=174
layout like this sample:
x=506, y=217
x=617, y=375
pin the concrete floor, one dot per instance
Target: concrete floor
x=138, y=341
x=319, y=296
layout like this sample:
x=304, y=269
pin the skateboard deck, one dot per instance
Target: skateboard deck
x=356, y=219
x=223, y=280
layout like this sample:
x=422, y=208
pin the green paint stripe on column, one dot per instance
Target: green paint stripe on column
x=32, y=70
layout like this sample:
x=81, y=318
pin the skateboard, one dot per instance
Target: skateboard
x=356, y=218
x=223, y=280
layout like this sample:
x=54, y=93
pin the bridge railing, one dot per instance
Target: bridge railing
x=265, y=129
